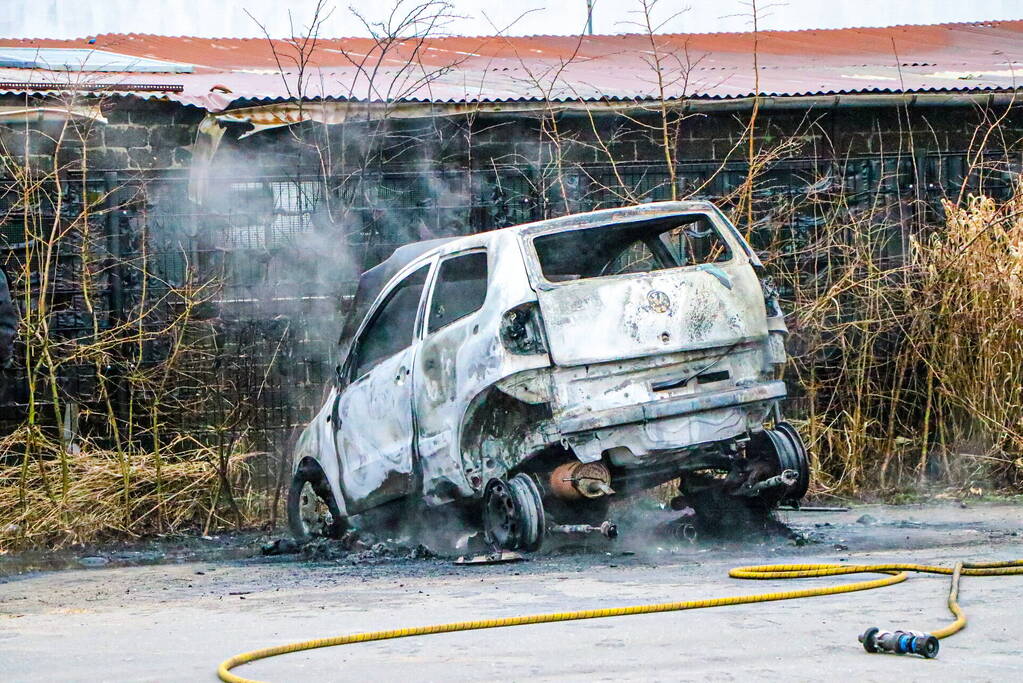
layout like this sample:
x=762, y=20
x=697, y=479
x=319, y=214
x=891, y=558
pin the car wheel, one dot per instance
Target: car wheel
x=513, y=514
x=312, y=511
x=782, y=449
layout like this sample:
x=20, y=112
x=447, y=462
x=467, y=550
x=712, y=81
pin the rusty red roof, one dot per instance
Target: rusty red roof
x=224, y=71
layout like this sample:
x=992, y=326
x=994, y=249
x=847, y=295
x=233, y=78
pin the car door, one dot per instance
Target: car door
x=451, y=369
x=373, y=415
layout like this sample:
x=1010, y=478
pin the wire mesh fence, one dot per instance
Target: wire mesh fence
x=277, y=258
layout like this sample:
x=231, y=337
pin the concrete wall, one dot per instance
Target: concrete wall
x=154, y=135
x=139, y=135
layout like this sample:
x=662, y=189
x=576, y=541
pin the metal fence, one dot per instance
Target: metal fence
x=282, y=255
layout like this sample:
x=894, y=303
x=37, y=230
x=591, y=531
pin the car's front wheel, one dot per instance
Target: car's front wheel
x=312, y=511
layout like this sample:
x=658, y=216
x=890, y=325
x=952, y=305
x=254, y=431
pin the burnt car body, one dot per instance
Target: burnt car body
x=528, y=375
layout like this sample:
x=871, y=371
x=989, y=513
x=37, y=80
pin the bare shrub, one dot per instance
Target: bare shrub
x=114, y=433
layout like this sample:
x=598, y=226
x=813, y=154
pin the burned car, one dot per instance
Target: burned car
x=524, y=378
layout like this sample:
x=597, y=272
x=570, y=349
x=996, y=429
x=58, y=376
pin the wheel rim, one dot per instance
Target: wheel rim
x=529, y=502
x=784, y=450
x=798, y=459
x=513, y=517
x=313, y=513
x=500, y=518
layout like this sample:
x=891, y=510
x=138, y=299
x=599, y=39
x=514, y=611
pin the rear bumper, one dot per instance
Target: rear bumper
x=668, y=408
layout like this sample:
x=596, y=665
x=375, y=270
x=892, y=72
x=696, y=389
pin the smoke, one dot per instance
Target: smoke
x=290, y=220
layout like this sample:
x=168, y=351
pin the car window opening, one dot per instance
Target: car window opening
x=392, y=328
x=460, y=290
x=644, y=247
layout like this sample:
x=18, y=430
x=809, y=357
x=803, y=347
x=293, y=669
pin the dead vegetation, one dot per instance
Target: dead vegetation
x=114, y=435
x=102, y=494
x=912, y=366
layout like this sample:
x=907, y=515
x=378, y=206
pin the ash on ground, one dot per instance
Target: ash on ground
x=355, y=547
x=644, y=527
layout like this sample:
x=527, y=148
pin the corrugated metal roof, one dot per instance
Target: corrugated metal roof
x=939, y=58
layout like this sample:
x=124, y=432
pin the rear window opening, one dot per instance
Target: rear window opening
x=675, y=242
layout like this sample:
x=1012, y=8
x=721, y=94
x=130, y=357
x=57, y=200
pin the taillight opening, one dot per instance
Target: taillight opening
x=522, y=330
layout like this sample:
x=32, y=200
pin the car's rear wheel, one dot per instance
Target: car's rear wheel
x=312, y=511
x=781, y=449
x=513, y=514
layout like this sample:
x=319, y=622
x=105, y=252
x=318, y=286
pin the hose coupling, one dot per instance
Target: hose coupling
x=900, y=642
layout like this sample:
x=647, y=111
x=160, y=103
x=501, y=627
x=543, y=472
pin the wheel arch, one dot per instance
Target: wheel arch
x=309, y=473
x=307, y=462
x=316, y=445
x=498, y=432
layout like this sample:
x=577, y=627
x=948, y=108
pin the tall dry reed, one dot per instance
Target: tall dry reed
x=909, y=348
x=114, y=434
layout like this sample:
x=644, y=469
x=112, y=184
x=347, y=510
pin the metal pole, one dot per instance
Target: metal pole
x=115, y=292
x=589, y=16
x=113, y=225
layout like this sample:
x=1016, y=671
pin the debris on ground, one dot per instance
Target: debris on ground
x=497, y=557
x=803, y=538
x=867, y=520
x=354, y=548
x=281, y=546
x=741, y=524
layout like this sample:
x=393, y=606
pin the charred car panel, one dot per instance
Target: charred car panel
x=458, y=363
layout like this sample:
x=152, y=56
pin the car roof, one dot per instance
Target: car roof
x=373, y=281
x=625, y=214
x=404, y=255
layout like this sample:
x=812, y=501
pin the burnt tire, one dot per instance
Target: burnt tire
x=309, y=519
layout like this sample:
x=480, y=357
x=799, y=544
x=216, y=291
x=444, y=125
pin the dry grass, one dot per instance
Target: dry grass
x=912, y=366
x=108, y=495
x=146, y=441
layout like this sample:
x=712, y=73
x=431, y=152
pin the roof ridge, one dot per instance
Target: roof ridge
x=951, y=24
x=761, y=32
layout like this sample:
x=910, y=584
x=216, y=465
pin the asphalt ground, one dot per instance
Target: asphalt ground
x=106, y=618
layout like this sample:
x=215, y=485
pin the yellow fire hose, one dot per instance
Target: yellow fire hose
x=897, y=574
